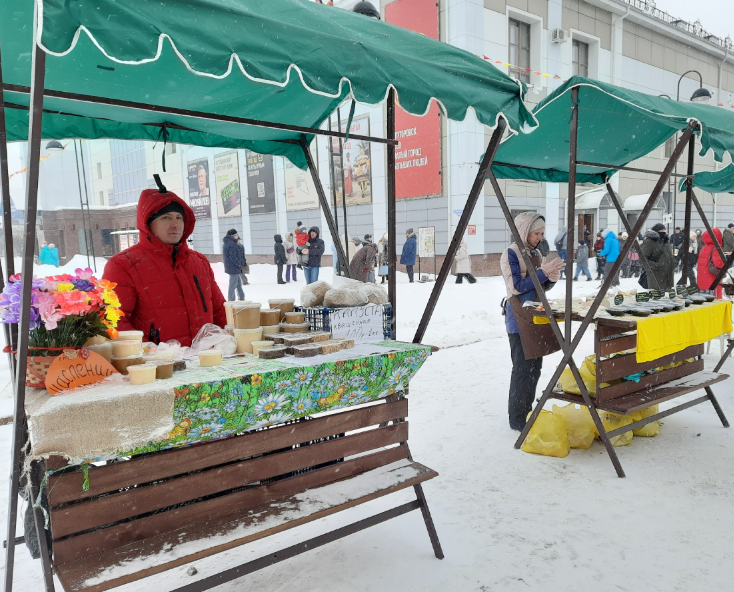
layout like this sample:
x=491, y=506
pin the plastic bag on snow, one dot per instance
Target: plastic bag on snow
x=580, y=428
x=612, y=421
x=547, y=436
x=649, y=430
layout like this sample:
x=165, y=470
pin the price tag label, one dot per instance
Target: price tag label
x=671, y=295
x=692, y=290
x=681, y=291
x=657, y=294
x=618, y=299
x=642, y=297
x=361, y=323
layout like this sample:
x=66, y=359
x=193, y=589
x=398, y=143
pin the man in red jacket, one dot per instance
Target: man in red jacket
x=166, y=289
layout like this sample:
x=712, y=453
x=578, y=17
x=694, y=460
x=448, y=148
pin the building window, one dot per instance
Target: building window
x=101, y=198
x=99, y=170
x=580, y=61
x=170, y=149
x=519, y=50
x=670, y=145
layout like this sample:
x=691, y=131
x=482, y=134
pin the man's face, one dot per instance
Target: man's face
x=168, y=228
x=677, y=230
x=202, y=180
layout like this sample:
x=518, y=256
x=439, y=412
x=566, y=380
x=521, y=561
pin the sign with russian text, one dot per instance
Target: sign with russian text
x=427, y=241
x=75, y=368
x=361, y=323
x=418, y=157
x=260, y=183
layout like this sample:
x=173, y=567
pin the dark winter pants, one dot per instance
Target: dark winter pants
x=288, y=269
x=280, y=273
x=523, y=382
x=599, y=267
x=607, y=268
x=235, y=283
x=409, y=269
x=469, y=278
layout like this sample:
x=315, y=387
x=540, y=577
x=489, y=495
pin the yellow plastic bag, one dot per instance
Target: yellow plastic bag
x=612, y=421
x=651, y=429
x=588, y=375
x=580, y=428
x=547, y=436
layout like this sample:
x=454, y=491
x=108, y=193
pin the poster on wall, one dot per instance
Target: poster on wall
x=355, y=169
x=300, y=191
x=418, y=157
x=199, y=192
x=227, y=175
x=260, y=183
x=427, y=241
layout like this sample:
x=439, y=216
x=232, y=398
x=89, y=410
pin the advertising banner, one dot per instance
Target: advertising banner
x=227, y=175
x=260, y=183
x=300, y=192
x=356, y=170
x=199, y=193
x=427, y=241
x=418, y=158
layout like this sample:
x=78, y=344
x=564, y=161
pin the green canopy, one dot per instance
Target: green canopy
x=283, y=61
x=714, y=181
x=615, y=127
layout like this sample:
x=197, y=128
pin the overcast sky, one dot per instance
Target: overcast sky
x=716, y=16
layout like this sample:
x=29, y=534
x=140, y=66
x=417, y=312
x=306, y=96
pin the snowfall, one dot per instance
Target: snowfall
x=507, y=520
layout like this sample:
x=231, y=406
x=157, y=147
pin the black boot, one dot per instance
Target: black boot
x=459, y=278
x=471, y=279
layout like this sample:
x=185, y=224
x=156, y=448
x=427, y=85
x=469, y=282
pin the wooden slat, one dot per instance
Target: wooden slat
x=68, y=487
x=644, y=399
x=612, y=346
x=136, y=530
x=608, y=326
x=621, y=366
x=141, y=500
x=646, y=382
x=74, y=575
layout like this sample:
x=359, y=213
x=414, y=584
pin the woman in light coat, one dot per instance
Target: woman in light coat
x=291, y=258
x=463, y=265
x=382, y=257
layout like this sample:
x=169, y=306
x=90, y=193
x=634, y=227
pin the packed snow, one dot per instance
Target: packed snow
x=507, y=520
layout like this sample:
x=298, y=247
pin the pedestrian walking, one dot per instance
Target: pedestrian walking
x=710, y=263
x=371, y=274
x=407, y=257
x=314, y=250
x=582, y=261
x=233, y=265
x=245, y=267
x=561, y=244
x=382, y=258
x=463, y=264
x=728, y=239
x=598, y=248
x=291, y=259
x=676, y=242
x=626, y=263
x=280, y=256
x=634, y=261
x=693, y=247
x=610, y=253
x=658, y=251
x=363, y=262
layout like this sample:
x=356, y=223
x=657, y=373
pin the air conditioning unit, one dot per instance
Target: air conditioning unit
x=559, y=36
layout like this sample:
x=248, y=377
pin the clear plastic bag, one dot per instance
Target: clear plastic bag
x=313, y=294
x=212, y=337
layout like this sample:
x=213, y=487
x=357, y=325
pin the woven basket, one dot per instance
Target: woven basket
x=36, y=370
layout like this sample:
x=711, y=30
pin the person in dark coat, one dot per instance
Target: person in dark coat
x=166, y=289
x=410, y=248
x=676, y=242
x=314, y=249
x=233, y=261
x=693, y=248
x=728, y=235
x=280, y=257
x=241, y=247
x=363, y=262
x=582, y=261
x=657, y=250
x=598, y=248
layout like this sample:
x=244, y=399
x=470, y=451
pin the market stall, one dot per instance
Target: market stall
x=245, y=77
x=631, y=125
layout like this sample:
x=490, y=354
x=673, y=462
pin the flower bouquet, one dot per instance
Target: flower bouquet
x=66, y=311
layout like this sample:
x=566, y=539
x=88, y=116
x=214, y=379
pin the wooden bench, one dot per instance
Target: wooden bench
x=612, y=340
x=154, y=512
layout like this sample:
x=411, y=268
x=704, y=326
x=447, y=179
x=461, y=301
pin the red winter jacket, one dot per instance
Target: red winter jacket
x=709, y=253
x=301, y=238
x=163, y=299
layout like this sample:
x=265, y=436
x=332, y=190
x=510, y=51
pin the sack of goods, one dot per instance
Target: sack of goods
x=580, y=428
x=612, y=421
x=548, y=436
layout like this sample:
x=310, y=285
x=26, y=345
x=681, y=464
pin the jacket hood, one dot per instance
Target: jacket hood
x=316, y=230
x=229, y=238
x=151, y=200
x=525, y=221
x=605, y=233
x=707, y=240
x=661, y=237
x=278, y=238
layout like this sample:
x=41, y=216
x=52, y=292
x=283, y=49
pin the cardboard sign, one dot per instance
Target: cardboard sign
x=361, y=323
x=75, y=368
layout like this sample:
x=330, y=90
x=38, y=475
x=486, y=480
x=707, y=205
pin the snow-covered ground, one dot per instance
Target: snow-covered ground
x=507, y=520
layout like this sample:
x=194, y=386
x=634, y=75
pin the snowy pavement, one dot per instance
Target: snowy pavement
x=507, y=520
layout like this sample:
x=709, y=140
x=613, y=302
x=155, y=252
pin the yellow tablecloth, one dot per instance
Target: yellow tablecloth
x=661, y=335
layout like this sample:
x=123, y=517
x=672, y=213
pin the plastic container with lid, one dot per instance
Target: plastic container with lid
x=258, y=345
x=210, y=357
x=246, y=315
x=122, y=364
x=126, y=335
x=125, y=348
x=103, y=349
x=270, y=329
x=295, y=327
x=283, y=304
x=269, y=316
x=164, y=369
x=295, y=318
x=245, y=337
x=142, y=373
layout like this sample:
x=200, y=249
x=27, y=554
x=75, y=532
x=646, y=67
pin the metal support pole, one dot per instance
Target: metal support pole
x=89, y=213
x=81, y=202
x=325, y=207
x=392, y=287
x=689, y=200
x=471, y=202
x=38, y=469
x=333, y=186
x=643, y=260
x=341, y=181
x=571, y=214
x=38, y=73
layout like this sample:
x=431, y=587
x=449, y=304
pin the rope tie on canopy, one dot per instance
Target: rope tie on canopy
x=349, y=120
x=163, y=135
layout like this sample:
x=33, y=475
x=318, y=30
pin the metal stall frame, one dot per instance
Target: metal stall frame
x=37, y=93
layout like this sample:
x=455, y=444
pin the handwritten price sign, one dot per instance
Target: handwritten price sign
x=362, y=323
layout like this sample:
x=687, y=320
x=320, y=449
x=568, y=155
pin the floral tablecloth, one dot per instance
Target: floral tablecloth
x=246, y=394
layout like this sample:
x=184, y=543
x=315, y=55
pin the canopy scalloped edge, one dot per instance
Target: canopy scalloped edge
x=235, y=58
